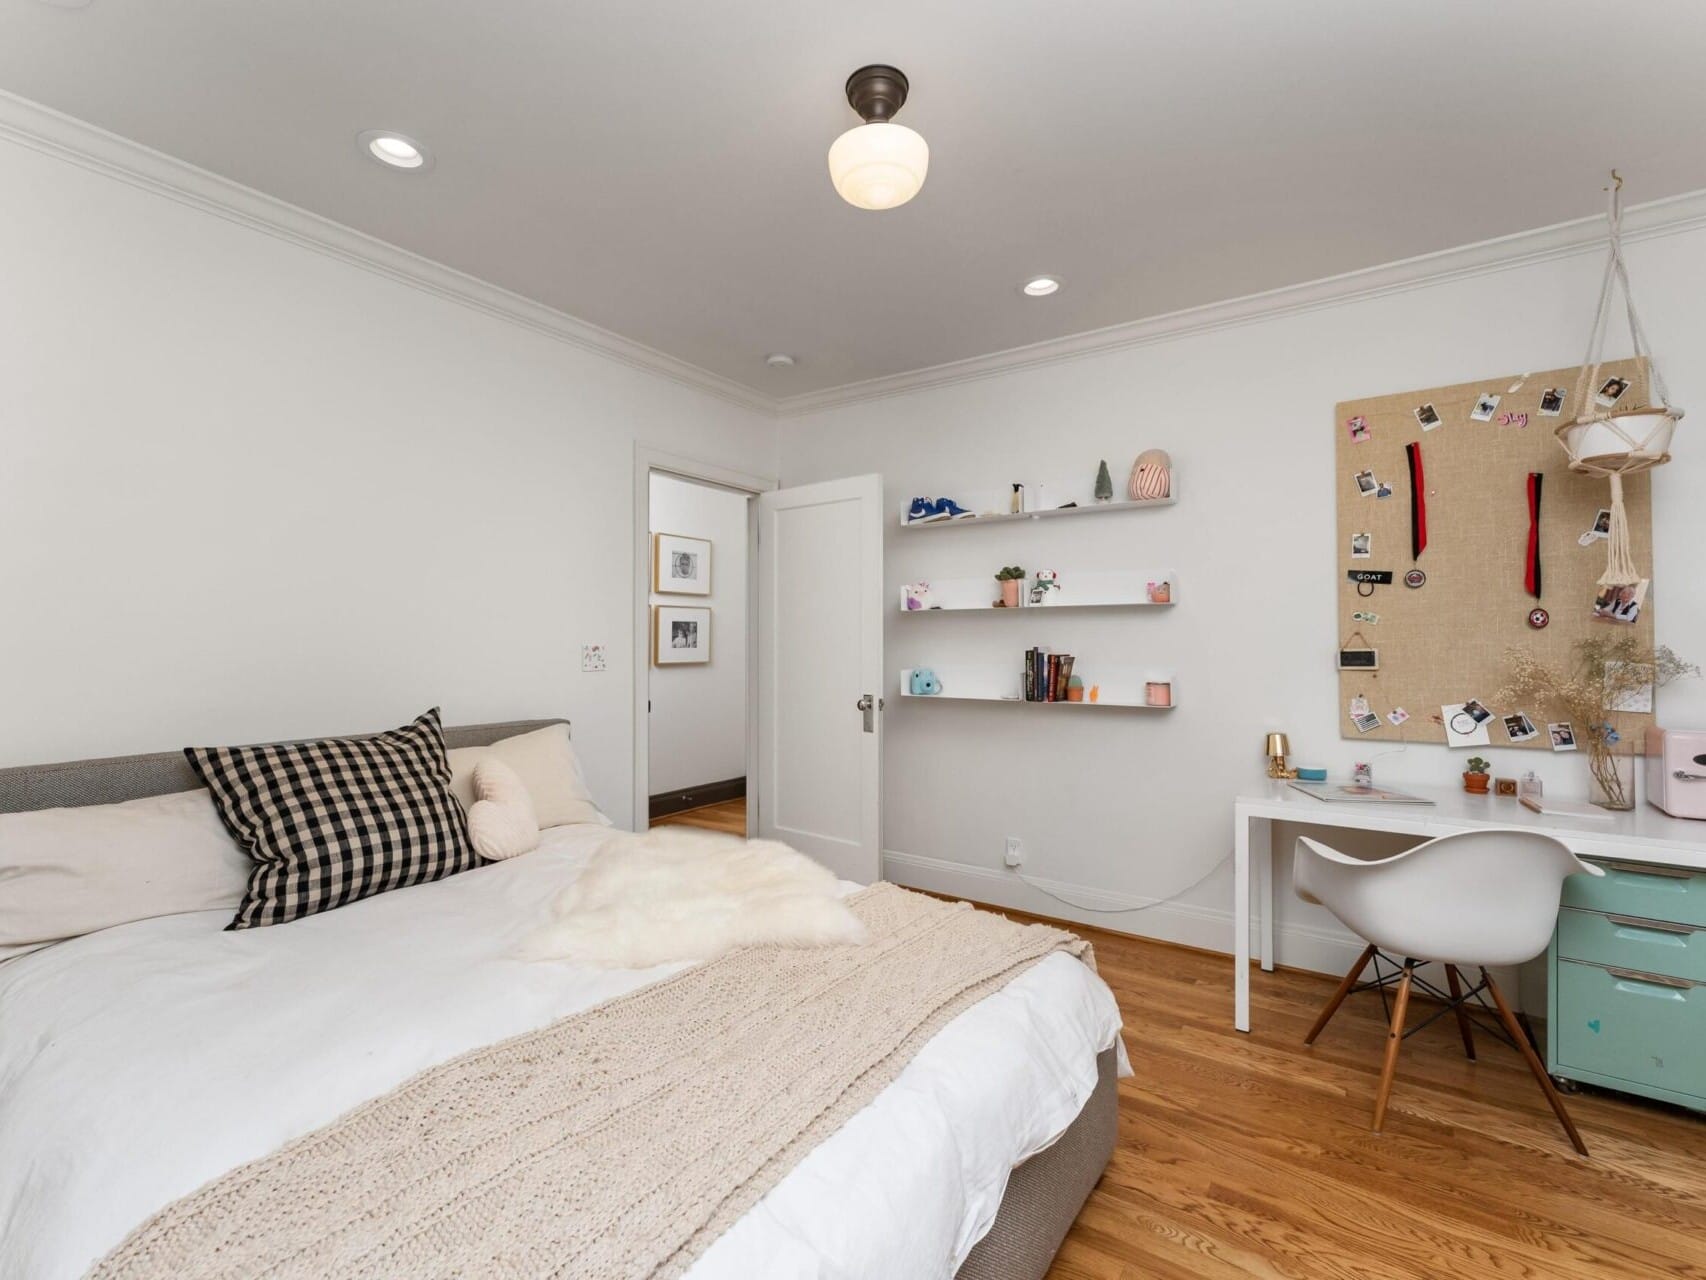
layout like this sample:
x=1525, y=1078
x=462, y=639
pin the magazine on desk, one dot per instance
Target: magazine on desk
x=1356, y=793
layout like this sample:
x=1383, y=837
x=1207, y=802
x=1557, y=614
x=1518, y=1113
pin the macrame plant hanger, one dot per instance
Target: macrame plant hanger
x=1613, y=441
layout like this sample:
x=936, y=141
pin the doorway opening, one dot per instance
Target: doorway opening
x=694, y=722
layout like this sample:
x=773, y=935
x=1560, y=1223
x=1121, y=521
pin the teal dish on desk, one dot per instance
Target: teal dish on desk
x=1628, y=983
x=1311, y=775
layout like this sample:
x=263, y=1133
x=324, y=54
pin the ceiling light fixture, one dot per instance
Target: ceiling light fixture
x=394, y=149
x=779, y=361
x=1040, y=286
x=879, y=164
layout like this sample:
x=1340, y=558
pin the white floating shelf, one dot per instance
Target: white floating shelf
x=1121, y=687
x=1119, y=589
x=1048, y=513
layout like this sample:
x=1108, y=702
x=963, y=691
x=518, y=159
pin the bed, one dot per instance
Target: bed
x=129, y=1061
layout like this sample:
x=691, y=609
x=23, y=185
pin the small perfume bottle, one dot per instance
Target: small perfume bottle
x=1530, y=785
x=1362, y=775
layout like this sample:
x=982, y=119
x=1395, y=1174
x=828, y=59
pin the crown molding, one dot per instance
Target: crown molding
x=1666, y=217
x=42, y=129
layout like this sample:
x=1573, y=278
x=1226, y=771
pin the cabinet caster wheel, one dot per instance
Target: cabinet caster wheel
x=1564, y=1085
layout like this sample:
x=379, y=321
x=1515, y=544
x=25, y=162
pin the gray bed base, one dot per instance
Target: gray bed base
x=1043, y=1195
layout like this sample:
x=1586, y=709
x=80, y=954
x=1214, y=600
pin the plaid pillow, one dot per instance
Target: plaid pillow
x=334, y=820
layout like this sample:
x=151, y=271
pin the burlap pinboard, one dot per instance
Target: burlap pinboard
x=1445, y=642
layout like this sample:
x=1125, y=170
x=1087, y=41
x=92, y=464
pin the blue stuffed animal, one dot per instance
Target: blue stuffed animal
x=924, y=681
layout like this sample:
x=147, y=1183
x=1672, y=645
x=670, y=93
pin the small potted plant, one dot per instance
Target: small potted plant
x=1009, y=578
x=1475, y=776
x=1075, y=688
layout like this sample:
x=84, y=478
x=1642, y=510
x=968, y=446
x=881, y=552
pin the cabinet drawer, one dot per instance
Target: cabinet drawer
x=1628, y=942
x=1653, y=893
x=1630, y=1028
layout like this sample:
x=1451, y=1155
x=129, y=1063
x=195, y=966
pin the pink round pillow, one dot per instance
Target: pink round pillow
x=1151, y=475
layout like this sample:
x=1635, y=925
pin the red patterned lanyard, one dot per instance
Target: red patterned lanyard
x=1418, y=503
x=1531, y=574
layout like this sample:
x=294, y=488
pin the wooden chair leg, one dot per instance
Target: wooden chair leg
x=1339, y=995
x=1394, y=1041
x=1462, y=1013
x=1534, y=1063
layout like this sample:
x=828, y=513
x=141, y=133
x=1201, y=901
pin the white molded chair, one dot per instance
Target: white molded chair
x=1468, y=900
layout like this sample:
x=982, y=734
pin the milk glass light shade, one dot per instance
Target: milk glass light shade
x=879, y=165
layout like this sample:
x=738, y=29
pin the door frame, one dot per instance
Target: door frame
x=648, y=459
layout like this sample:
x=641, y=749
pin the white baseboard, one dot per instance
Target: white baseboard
x=1210, y=928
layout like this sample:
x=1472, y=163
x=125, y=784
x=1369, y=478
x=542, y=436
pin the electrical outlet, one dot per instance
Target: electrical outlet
x=1015, y=855
x=592, y=657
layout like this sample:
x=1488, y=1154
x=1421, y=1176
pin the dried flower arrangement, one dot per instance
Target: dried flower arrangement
x=1606, y=672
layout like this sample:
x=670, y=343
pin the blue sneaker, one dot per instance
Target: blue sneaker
x=923, y=510
x=948, y=509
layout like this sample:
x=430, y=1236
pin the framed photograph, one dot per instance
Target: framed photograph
x=680, y=635
x=680, y=566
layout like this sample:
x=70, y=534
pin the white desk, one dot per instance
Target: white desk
x=1643, y=834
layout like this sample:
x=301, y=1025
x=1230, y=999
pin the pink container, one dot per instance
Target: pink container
x=1676, y=771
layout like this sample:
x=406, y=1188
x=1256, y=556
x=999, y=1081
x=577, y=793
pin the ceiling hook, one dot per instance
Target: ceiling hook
x=1618, y=179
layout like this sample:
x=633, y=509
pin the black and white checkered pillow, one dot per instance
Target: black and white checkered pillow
x=331, y=821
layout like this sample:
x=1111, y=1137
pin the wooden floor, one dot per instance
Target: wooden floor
x=728, y=817
x=1250, y=1155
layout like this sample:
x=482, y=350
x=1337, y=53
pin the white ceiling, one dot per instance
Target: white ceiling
x=658, y=168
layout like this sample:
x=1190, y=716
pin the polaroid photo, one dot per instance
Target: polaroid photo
x=1601, y=529
x=1519, y=728
x=1358, y=427
x=1476, y=711
x=1462, y=728
x=1551, y=402
x=1384, y=491
x=1620, y=604
x=1364, y=615
x=1639, y=699
x=1366, y=483
x=1563, y=736
x=1362, y=546
x=1358, y=707
x=1397, y=716
x=1485, y=407
x=1428, y=417
x=1611, y=391
x=1366, y=722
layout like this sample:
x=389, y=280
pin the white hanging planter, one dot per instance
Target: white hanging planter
x=1616, y=442
x=1620, y=443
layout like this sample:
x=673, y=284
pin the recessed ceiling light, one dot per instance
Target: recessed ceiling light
x=395, y=149
x=779, y=361
x=1040, y=286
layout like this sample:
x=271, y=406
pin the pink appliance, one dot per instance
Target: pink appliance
x=1676, y=771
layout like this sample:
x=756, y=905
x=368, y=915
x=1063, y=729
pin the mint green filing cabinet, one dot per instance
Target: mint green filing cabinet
x=1627, y=1004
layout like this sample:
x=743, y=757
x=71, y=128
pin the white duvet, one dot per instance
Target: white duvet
x=140, y=1062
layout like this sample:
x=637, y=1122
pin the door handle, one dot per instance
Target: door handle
x=868, y=703
x=1683, y=776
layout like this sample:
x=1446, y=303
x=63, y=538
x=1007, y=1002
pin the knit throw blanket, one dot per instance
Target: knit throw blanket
x=617, y=1143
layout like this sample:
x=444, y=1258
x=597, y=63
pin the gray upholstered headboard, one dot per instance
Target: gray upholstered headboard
x=117, y=778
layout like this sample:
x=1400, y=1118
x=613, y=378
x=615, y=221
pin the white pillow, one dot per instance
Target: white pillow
x=547, y=766
x=501, y=822
x=67, y=872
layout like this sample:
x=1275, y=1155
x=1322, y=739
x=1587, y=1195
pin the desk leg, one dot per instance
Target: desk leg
x=1262, y=853
x=1241, y=921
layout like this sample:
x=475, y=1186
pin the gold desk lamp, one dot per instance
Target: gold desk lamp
x=1278, y=749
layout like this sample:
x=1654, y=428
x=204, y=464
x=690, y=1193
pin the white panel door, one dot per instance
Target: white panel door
x=820, y=672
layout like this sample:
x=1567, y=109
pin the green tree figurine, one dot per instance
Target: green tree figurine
x=1104, y=483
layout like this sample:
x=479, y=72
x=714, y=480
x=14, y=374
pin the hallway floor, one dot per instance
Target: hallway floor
x=728, y=816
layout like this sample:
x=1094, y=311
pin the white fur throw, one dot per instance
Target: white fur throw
x=679, y=894
x=501, y=823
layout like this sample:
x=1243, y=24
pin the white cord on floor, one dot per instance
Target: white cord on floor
x=1116, y=911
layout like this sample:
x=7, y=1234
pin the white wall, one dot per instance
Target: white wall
x=1124, y=806
x=697, y=731
x=248, y=490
